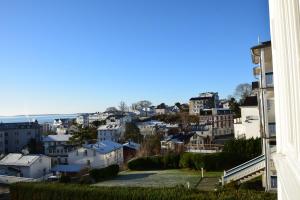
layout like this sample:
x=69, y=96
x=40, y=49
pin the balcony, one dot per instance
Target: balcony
x=272, y=129
x=269, y=79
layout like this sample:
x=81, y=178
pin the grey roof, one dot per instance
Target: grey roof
x=57, y=138
x=16, y=159
x=104, y=147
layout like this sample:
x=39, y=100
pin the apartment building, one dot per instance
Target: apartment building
x=57, y=148
x=207, y=100
x=221, y=120
x=262, y=56
x=15, y=136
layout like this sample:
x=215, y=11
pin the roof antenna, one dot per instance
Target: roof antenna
x=258, y=39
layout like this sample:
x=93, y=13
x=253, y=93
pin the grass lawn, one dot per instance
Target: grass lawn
x=164, y=178
x=213, y=174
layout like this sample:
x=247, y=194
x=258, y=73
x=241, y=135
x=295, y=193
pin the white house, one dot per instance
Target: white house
x=57, y=147
x=110, y=132
x=99, y=155
x=29, y=166
x=248, y=126
x=83, y=120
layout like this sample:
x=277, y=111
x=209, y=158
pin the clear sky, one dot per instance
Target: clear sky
x=68, y=56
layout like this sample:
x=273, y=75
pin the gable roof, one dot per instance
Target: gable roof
x=104, y=147
x=17, y=159
x=57, y=138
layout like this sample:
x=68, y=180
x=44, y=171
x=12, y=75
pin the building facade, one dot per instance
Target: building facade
x=14, y=137
x=99, y=155
x=57, y=148
x=29, y=166
x=248, y=125
x=220, y=119
x=206, y=100
x=285, y=35
x=110, y=132
x=262, y=56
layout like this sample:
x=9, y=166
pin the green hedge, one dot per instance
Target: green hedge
x=170, y=161
x=104, y=173
x=40, y=191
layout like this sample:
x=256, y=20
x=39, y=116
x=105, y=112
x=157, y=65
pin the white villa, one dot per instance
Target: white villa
x=57, y=147
x=248, y=126
x=29, y=166
x=99, y=155
x=110, y=132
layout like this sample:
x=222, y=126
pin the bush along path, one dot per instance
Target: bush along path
x=40, y=191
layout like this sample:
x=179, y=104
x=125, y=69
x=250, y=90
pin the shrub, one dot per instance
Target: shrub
x=170, y=161
x=65, y=179
x=104, y=173
x=41, y=191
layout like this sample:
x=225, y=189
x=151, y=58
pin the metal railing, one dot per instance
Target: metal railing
x=244, y=169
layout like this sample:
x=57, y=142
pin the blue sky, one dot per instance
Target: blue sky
x=68, y=56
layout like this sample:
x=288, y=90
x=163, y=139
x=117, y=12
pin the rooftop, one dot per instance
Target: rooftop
x=57, y=138
x=109, y=127
x=132, y=145
x=21, y=125
x=104, y=147
x=17, y=159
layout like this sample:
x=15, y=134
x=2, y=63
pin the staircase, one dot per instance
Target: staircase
x=245, y=171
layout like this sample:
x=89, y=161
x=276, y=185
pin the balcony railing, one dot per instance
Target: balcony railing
x=269, y=79
x=272, y=129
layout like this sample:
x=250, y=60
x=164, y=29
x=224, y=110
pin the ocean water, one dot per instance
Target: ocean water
x=40, y=118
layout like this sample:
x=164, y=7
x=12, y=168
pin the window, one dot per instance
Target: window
x=6, y=133
x=85, y=152
x=28, y=133
x=88, y=162
x=273, y=181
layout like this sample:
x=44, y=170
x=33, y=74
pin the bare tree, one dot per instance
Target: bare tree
x=242, y=91
x=123, y=107
x=141, y=105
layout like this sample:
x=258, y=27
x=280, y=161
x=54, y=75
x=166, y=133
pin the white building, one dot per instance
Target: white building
x=110, y=132
x=98, y=117
x=262, y=55
x=57, y=147
x=248, y=126
x=285, y=34
x=207, y=100
x=99, y=155
x=29, y=166
x=83, y=120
